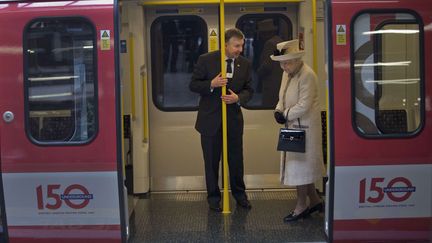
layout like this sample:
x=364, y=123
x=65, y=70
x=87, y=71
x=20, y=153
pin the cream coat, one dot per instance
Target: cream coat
x=301, y=101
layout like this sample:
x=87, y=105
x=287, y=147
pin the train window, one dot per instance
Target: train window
x=60, y=80
x=387, y=74
x=176, y=44
x=262, y=33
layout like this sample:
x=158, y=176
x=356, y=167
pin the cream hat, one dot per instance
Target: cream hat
x=287, y=50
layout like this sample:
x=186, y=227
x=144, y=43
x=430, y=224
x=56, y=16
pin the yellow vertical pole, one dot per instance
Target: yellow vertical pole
x=132, y=73
x=314, y=36
x=144, y=104
x=226, y=206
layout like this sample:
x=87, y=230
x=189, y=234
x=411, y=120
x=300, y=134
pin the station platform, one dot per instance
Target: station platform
x=185, y=217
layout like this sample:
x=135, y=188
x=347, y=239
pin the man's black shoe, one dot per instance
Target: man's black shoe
x=215, y=207
x=244, y=204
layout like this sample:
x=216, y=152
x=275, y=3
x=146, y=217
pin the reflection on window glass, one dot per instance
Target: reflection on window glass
x=387, y=74
x=262, y=33
x=177, y=42
x=60, y=80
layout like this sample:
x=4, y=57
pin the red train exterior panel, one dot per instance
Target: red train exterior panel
x=368, y=172
x=67, y=193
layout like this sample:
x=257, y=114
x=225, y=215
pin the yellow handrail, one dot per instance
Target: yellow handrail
x=132, y=74
x=314, y=37
x=144, y=104
x=226, y=206
x=200, y=2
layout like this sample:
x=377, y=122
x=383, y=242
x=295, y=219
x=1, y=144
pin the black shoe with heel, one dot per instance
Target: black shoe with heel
x=318, y=207
x=294, y=217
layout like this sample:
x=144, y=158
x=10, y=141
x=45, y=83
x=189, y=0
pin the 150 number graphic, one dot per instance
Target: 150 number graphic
x=377, y=192
x=53, y=199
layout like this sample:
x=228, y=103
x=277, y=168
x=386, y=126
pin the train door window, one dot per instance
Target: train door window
x=60, y=80
x=176, y=44
x=387, y=74
x=262, y=33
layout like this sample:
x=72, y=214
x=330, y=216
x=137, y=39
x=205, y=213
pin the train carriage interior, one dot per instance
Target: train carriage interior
x=165, y=53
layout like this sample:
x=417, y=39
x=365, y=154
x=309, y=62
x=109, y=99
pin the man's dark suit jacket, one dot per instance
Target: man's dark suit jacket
x=270, y=73
x=210, y=109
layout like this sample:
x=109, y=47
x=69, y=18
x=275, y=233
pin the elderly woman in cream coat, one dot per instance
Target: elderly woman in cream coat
x=298, y=102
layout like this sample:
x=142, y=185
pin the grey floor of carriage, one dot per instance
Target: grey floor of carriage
x=185, y=217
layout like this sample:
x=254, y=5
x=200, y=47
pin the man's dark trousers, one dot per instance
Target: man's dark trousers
x=212, y=149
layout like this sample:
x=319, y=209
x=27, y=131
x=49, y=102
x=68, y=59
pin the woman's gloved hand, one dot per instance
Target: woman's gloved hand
x=278, y=115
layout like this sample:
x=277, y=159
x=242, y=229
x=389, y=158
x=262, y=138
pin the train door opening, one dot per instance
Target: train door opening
x=173, y=38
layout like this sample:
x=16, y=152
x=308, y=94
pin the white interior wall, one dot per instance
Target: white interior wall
x=305, y=23
x=132, y=19
x=124, y=80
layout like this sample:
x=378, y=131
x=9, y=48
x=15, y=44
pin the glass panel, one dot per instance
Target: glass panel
x=177, y=42
x=387, y=74
x=399, y=86
x=60, y=80
x=262, y=33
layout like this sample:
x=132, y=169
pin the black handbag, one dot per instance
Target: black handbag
x=292, y=140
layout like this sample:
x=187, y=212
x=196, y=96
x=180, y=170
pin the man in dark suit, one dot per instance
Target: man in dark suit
x=269, y=71
x=207, y=81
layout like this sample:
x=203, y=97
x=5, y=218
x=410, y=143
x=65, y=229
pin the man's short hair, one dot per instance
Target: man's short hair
x=234, y=32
